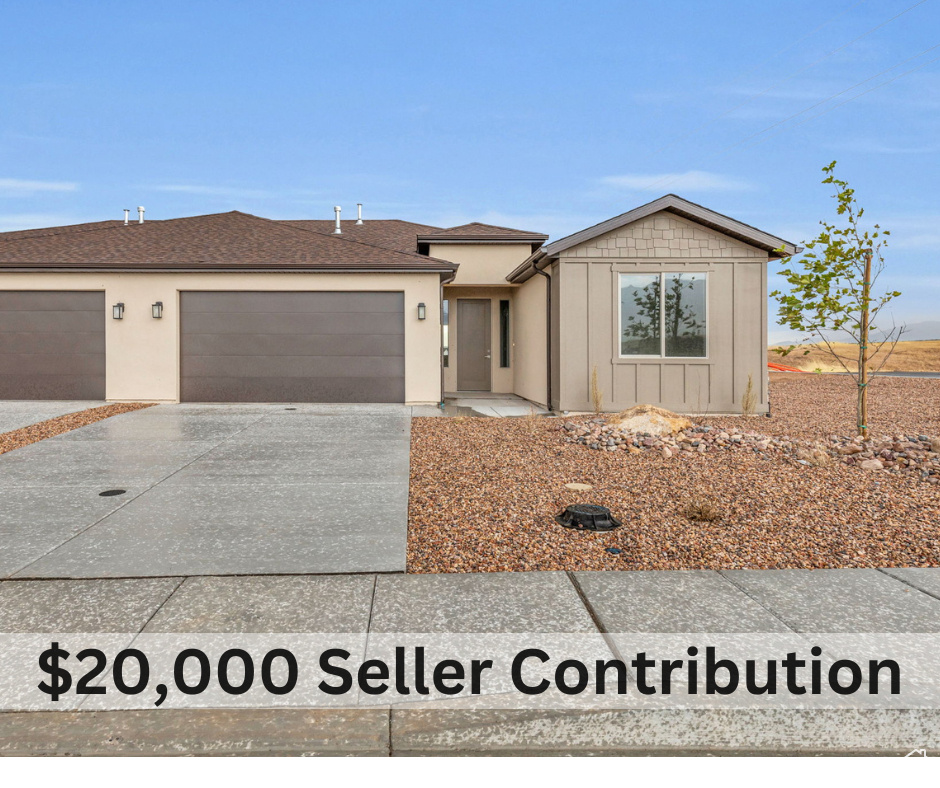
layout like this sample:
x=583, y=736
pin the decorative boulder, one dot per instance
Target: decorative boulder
x=649, y=419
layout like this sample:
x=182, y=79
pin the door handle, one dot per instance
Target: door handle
x=487, y=356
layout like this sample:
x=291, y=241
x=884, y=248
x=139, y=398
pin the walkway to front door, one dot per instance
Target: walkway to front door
x=473, y=345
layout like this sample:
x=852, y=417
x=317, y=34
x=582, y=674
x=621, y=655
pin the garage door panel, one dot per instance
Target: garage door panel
x=52, y=344
x=303, y=302
x=51, y=301
x=81, y=364
x=295, y=345
x=292, y=347
x=58, y=386
x=75, y=342
x=327, y=323
x=236, y=389
x=296, y=366
x=49, y=322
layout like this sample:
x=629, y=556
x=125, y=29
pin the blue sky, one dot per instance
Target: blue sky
x=545, y=116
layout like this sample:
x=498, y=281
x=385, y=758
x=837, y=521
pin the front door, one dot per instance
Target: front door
x=474, y=364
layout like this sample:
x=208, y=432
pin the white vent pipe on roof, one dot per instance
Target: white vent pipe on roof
x=127, y=216
x=338, y=230
x=359, y=220
x=140, y=214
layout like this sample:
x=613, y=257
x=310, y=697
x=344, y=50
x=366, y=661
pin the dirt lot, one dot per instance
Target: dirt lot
x=484, y=493
x=922, y=356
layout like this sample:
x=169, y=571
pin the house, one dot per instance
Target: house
x=666, y=304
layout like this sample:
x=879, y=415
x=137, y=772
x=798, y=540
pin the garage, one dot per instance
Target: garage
x=52, y=345
x=292, y=346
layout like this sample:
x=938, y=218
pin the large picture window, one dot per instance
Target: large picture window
x=663, y=315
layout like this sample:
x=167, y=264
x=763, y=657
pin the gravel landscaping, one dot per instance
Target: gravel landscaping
x=791, y=492
x=71, y=421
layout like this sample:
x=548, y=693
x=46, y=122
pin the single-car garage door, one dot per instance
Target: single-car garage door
x=292, y=347
x=52, y=344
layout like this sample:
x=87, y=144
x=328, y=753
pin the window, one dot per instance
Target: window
x=504, y=333
x=445, y=334
x=663, y=315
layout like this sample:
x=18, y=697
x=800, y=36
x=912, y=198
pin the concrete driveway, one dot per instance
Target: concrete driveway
x=211, y=490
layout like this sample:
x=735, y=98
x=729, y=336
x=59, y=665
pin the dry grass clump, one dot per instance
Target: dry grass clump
x=597, y=396
x=701, y=511
x=749, y=399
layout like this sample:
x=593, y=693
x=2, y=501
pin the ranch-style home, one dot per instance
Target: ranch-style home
x=666, y=303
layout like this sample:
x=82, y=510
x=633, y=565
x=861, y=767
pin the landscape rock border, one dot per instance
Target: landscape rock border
x=914, y=455
x=34, y=433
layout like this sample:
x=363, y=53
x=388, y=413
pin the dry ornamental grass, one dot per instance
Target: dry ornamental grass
x=484, y=493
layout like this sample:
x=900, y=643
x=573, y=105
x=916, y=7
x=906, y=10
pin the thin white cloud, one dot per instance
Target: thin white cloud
x=16, y=187
x=689, y=181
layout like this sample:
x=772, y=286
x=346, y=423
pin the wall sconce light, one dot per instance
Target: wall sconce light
x=157, y=310
x=422, y=311
x=117, y=311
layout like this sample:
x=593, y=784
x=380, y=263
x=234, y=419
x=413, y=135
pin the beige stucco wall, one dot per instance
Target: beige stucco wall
x=482, y=263
x=588, y=319
x=501, y=377
x=529, y=340
x=143, y=353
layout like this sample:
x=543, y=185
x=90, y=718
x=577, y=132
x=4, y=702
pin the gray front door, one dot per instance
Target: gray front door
x=473, y=344
x=292, y=347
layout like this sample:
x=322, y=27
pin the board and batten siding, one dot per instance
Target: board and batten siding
x=588, y=317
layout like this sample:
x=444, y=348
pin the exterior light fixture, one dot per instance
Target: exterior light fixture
x=422, y=311
x=117, y=311
x=157, y=310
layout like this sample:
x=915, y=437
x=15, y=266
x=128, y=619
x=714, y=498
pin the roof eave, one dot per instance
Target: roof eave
x=526, y=270
x=688, y=210
x=150, y=268
x=483, y=239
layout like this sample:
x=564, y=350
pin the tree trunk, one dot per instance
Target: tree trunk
x=863, y=352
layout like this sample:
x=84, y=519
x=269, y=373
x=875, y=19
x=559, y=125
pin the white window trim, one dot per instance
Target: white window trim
x=662, y=317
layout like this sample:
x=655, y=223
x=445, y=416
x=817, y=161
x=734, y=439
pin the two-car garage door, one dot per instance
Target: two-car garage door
x=292, y=347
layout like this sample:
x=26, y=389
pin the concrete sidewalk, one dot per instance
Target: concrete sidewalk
x=796, y=601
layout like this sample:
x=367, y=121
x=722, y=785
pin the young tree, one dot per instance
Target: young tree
x=833, y=292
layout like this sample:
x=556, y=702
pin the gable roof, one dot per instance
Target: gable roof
x=477, y=231
x=231, y=241
x=394, y=234
x=670, y=203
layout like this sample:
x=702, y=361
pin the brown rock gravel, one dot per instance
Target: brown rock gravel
x=47, y=429
x=484, y=492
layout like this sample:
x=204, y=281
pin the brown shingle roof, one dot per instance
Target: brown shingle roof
x=13, y=235
x=222, y=241
x=480, y=231
x=388, y=233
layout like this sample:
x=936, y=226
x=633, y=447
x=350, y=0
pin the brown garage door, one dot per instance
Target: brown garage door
x=292, y=347
x=52, y=345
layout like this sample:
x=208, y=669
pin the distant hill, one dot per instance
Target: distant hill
x=918, y=332
x=915, y=332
